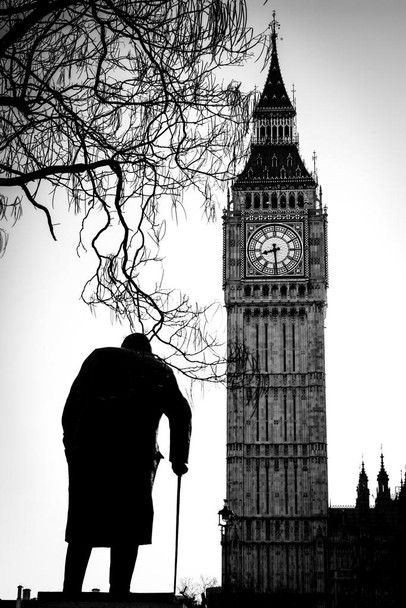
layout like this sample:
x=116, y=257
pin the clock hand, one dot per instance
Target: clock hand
x=274, y=250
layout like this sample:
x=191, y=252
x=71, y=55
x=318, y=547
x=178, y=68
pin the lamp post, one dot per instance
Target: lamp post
x=226, y=517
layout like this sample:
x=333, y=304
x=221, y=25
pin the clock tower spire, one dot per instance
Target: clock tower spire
x=275, y=281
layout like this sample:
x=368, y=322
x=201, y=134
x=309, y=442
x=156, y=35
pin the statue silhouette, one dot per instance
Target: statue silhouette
x=110, y=424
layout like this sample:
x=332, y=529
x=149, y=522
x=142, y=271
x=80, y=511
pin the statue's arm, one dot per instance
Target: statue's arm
x=180, y=422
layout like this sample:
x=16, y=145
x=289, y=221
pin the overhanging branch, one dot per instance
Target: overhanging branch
x=24, y=178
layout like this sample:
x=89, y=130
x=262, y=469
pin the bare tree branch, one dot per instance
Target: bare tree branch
x=116, y=104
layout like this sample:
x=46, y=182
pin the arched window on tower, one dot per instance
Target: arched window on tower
x=247, y=291
x=287, y=131
x=291, y=200
x=302, y=291
x=300, y=200
x=283, y=173
x=265, y=291
x=262, y=132
x=298, y=172
x=280, y=132
x=268, y=131
x=265, y=200
x=282, y=201
x=289, y=161
x=248, y=200
x=274, y=132
x=274, y=200
x=257, y=201
x=284, y=291
x=274, y=161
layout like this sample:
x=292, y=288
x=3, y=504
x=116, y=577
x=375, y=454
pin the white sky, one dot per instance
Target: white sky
x=347, y=61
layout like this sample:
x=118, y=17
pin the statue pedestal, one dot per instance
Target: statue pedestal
x=53, y=599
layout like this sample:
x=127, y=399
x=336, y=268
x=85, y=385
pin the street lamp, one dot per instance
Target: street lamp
x=226, y=517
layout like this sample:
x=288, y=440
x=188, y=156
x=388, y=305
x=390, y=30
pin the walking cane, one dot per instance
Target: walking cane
x=177, y=533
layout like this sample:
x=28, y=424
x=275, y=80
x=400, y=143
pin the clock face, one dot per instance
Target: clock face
x=275, y=249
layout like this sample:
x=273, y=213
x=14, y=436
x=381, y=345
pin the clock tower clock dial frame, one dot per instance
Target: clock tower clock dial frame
x=274, y=249
x=275, y=285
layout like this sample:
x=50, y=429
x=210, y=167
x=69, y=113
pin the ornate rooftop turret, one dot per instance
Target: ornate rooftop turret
x=274, y=96
x=274, y=160
x=383, y=492
x=362, y=502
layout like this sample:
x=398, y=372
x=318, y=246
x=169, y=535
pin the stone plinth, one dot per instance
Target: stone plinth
x=51, y=599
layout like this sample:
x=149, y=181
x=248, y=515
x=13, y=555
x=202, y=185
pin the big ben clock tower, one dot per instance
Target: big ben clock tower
x=275, y=281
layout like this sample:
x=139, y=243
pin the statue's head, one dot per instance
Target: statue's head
x=138, y=342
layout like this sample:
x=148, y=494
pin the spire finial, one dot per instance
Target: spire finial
x=314, y=158
x=293, y=95
x=274, y=26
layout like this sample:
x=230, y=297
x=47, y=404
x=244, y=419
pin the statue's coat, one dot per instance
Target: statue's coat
x=110, y=423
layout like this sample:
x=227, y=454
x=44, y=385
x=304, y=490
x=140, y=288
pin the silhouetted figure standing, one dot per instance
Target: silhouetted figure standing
x=110, y=424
